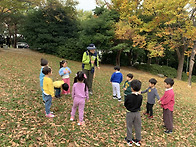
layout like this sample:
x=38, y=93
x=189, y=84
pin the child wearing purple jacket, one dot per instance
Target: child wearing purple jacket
x=79, y=94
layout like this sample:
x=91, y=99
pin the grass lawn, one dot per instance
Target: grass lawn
x=23, y=123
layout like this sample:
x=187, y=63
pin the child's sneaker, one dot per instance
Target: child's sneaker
x=80, y=123
x=50, y=112
x=146, y=114
x=129, y=142
x=114, y=97
x=50, y=115
x=137, y=142
x=150, y=116
x=168, y=131
x=72, y=118
x=119, y=99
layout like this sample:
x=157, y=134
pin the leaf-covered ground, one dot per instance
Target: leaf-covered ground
x=23, y=123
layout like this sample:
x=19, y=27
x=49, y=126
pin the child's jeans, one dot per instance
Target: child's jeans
x=66, y=80
x=80, y=103
x=116, y=89
x=48, y=103
x=57, y=92
x=42, y=93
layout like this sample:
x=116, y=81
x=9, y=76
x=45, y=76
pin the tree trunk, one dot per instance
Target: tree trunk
x=180, y=68
x=149, y=61
x=157, y=60
x=180, y=55
x=130, y=57
x=15, y=35
x=10, y=35
x=191, y=64
x=118, y=57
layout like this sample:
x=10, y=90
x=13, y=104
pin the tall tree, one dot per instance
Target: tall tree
x=8, y=7
x=127, y=30
x=99, y=29
x=11, y=14
x=192, y=61
x=173, y=26
x=50, y=27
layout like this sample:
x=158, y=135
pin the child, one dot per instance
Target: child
x=127, y=85
x=116, y=79
x=58, y=85
x=44, y=63
x=64, y=73
x=48, y=90
x=152, y=93
x=133, y=103
x=85, y=78
x=79, y=94
x=167, y=103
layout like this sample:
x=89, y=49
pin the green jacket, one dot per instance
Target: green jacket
x=87, y=58
x=127, y=85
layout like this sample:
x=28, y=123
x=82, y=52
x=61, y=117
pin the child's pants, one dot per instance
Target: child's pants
x=149, y=108
x=133, y=118
x=80, y=103
x=116, y=89
x=57, y=92
x=66, y=80
x=48, y=103
x=168, y=119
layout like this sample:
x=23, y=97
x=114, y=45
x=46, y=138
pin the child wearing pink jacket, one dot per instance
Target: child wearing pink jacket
x=79, y=95
x=167, y=103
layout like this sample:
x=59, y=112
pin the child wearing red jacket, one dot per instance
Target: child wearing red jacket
x=167, y=103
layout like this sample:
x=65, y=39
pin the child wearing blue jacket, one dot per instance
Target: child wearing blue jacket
x=64, y=72
x=116, y=79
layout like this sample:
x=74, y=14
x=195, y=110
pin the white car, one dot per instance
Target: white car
x=22, y=45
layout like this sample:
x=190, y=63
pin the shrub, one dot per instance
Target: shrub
x=165, y=70
x=110, y=58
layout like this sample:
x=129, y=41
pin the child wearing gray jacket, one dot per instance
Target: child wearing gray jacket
x=152, y=93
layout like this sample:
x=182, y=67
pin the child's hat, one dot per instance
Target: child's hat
x=91, y=47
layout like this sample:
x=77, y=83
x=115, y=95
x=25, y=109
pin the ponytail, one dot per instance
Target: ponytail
x=62, y=62
x=80, y=76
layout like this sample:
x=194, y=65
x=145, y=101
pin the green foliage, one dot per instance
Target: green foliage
x=71, y=50
x=48, y=28
x=84, y=15
x=99, y=29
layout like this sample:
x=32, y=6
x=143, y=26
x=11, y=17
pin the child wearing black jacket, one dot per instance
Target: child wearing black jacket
x=133, y=103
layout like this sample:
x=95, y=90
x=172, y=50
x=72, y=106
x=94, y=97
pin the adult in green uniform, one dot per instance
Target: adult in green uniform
x=90, y=59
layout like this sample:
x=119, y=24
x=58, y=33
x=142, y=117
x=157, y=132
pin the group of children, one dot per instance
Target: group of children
x=133, y=102
x=79, y=89
x=132, y=97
